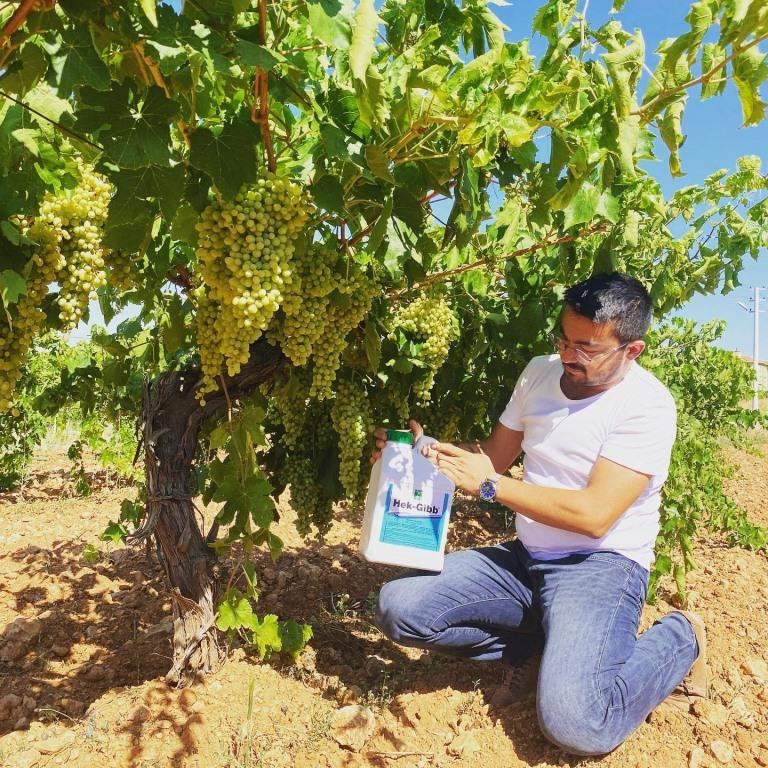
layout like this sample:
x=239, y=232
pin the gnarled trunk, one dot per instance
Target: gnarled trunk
x=172, y=419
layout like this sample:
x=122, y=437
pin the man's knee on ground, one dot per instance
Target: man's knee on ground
x=574, y=728
x=392, y=612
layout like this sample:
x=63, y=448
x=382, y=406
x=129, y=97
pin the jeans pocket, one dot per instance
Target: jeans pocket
x=614, y=558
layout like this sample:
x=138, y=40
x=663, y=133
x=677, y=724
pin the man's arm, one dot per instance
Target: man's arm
x=502, y=447
x=592, y=511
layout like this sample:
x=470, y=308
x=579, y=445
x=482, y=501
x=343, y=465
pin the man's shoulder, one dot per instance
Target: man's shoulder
x=648, y=388
x=538, y=369
x=542, y=363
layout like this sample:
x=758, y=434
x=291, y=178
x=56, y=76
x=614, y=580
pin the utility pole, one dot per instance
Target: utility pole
x=755, y=343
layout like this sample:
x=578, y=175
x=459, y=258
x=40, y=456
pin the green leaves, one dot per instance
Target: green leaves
x=268, y=635
x=329, y=21
x=76, y=62
x=362, y=46
x=12, y=285
x=133, y=129
x=234, y=611
x=227, y=154
x=25, y=72
x=624, y=66
x=138, y=195
x=750, y=71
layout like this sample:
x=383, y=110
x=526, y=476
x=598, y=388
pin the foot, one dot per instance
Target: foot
x=518, y=684
x=695, y=685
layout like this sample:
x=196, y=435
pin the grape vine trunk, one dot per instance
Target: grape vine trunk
x=172, y=416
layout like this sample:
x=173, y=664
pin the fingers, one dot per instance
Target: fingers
x=448, y=449
x=375, y=456
x=416, y=428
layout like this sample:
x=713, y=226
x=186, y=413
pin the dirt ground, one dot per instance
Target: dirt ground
x=84, y=647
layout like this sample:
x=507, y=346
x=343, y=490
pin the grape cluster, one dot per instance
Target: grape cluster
x=290, y=400
x=68, y=232
x=122, y=271
x=311, y=495
x=445, y=424
x=305, y=303
x=352, y=421
x=429, y=318
x=311, y=505
x=75, y=218
x=20, y=322
x=245, y=249
x=349, y=304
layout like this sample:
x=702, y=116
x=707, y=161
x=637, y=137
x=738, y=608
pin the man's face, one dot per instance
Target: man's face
x=608, y=358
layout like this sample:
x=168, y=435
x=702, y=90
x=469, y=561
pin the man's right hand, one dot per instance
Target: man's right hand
x=380, y=435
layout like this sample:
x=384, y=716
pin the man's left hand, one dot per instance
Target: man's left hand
x=466, y=469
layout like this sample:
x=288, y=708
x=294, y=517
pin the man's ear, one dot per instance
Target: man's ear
x=635, y=349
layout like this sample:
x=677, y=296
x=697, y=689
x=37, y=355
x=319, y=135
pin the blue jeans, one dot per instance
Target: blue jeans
x=598, y=681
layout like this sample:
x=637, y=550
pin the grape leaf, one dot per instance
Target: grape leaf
x=266, y=635
x=294, y=637
x=329, y=20
x=363, y=36
x=228, y=157
x=25, y=72
x=12, y=285
x=134, y=131
x=235, y=611
x=77, y=64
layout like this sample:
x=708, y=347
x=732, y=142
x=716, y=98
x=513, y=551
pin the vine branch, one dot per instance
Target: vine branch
x=260, y=109
x=18, y=17
x=649, y=107
x=449, y=274
x=53, y=122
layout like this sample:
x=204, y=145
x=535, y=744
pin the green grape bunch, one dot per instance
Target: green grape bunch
x=245, y=251
x=352, y=421
x=353, y=298
x=67, y=233
x=430, y=319
x=305, y=303
x=122, y=271
x=75, y=218
x=290, y=401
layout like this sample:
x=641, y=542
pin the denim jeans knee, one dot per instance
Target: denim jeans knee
x=574, y=728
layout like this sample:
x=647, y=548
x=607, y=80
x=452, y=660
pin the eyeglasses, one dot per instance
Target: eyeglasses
x=560, y=344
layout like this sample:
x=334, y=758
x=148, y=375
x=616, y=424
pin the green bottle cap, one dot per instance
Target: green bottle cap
x=400, y=436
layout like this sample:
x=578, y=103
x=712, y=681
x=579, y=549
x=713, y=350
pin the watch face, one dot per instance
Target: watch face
x=487, y=490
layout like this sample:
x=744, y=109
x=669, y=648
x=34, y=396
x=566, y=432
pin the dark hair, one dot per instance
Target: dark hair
x=613, y=298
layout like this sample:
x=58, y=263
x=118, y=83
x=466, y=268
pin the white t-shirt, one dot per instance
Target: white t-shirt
x=633, y=424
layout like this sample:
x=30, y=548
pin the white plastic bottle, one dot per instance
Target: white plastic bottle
x=408, y=507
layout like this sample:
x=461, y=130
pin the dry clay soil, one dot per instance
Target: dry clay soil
x=84, y=647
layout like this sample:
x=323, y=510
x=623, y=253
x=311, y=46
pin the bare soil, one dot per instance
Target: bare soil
x=84, y=647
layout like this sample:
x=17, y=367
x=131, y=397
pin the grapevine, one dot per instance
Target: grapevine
x=353, y=299
x=305, y=304
x=75, y=219
x=431, y=319
x=245, y=250
x=121, y=270
x=20, y=322
x=352, y=421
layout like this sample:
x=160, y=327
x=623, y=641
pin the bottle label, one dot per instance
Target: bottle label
x=412, y=521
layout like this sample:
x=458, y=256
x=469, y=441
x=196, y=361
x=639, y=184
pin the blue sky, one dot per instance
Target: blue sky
x=715, y=139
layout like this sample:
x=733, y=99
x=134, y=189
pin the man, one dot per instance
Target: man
x=597, y=431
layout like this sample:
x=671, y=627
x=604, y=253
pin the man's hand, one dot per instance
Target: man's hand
x=380, y=434
x=465, y=468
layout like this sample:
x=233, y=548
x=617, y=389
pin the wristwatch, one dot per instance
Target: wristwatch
x=489, y=487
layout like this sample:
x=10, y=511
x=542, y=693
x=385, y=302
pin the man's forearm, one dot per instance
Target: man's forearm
x=568, y=510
